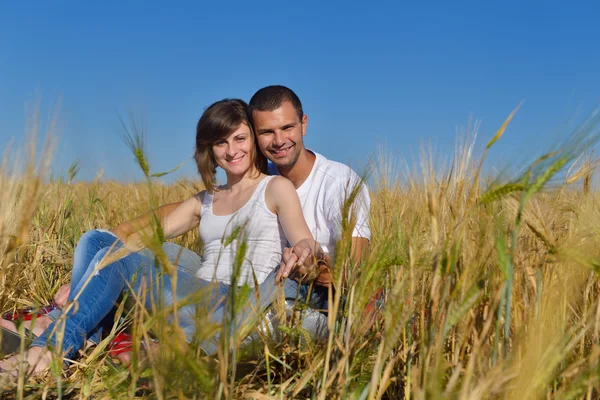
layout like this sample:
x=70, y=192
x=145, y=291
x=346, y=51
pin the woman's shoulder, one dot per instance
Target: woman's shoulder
x=200, y=199
x=278, y=190
x=279, y=183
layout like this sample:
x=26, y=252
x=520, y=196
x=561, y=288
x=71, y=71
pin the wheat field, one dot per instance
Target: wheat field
x=490, y=287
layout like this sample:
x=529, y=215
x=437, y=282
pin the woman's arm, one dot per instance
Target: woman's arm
x=282, y=199
x=127, y=228
x=184, y=218
x=176, y=219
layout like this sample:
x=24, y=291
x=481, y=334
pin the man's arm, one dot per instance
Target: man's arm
x=359, y=249
x=127, y=228
x=352, y=187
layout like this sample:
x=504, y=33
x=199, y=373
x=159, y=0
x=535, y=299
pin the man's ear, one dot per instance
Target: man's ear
x=304, y=124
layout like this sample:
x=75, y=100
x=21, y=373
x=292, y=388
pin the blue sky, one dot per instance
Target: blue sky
x=370, y=74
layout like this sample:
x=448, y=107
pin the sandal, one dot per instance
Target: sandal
x=11, y=341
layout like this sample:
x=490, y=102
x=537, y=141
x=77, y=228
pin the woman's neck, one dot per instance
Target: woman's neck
x=237, y=183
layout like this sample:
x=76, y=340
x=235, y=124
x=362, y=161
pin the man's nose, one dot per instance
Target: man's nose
x=279, y=140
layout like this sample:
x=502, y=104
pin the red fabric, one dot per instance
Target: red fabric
x=27, y=314
x=122, y=343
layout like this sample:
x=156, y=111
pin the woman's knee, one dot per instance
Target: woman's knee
x=87, y=248
x=98, y=238
x=91, y=242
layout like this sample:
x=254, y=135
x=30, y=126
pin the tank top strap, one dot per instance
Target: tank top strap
x=262, y=185
x=259, y=194
x=207, y=200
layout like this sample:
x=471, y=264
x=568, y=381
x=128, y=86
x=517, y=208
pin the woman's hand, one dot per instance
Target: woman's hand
x=62, y=295
x=305, y=262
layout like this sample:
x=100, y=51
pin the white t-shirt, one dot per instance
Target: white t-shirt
x=322, y=196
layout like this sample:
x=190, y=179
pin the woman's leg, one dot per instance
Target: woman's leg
x=94, y=299
x=139, y=273
x=89, y=244
x=194, y=296
x=261, y=298
x=258, y=301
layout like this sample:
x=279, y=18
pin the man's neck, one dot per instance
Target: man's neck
x=301, y=169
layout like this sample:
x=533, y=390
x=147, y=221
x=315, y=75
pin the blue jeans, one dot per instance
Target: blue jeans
x=138, y=271
x=268, y=291
x=87, y=247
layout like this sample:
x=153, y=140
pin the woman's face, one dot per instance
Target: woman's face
x=235, y=153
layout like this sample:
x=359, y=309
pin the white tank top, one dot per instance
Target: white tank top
x=222, y=236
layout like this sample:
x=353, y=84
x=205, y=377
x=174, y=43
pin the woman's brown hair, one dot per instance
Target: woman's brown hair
x=218, y=121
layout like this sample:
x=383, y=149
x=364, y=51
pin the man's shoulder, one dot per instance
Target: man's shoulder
x=334, y=171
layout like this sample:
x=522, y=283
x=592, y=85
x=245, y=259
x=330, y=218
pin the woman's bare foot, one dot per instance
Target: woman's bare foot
x=36, y=359
x=125, y=358
x=41, y=323
x=151, y=351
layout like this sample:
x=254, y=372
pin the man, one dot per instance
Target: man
x=323, y=186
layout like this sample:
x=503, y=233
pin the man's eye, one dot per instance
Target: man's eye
x=287, y=128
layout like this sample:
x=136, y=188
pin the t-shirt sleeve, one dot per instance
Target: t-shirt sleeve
x=362, y=208
x=338, y=195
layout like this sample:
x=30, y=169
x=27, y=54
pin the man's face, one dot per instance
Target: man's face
x=280, y=134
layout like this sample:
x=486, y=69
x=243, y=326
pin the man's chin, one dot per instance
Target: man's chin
x=286, y=162
x=283, y=163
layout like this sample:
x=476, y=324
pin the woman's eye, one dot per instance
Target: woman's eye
x=241, y=139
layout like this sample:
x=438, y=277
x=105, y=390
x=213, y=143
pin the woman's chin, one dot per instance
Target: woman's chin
x=237, y=170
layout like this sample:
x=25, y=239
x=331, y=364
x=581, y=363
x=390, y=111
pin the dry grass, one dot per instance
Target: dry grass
x=491, y=289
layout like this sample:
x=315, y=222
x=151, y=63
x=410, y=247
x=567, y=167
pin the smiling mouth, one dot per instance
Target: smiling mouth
x=236, y=160
x=282, y=152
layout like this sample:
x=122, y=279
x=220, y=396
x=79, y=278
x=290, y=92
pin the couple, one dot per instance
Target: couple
x=303, y=211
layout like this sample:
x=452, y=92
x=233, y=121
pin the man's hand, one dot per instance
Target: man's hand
x=305, y=263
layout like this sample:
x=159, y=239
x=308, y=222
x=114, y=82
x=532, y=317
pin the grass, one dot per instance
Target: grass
x=491, y=288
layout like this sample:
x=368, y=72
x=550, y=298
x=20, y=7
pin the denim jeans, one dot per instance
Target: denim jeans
x=138, y=271
x=87, y=247
x=257, y=303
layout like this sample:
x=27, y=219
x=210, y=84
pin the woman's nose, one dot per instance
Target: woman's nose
x=231, y=150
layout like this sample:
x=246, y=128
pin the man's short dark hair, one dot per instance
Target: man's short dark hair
x=272, y=97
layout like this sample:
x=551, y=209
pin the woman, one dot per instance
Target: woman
x=252, y=208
